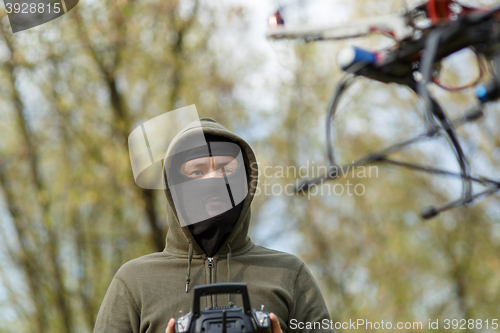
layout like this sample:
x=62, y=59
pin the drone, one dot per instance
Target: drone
x=411, y=62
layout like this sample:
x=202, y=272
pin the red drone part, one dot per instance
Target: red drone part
x=276, y=19
x=440, y=11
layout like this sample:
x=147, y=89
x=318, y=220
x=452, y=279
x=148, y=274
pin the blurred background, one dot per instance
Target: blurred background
x=73, y=89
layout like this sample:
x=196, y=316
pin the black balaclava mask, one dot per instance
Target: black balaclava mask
x=211, y=234
x=210, y=207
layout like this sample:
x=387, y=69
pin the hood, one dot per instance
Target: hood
x=179, y=238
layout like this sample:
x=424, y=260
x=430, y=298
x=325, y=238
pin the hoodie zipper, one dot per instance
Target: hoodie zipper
x=210, y=265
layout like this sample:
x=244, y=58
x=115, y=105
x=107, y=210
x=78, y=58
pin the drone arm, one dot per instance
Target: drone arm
x=396, y=25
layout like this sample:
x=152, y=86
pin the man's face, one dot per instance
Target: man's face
x=211, y=167
x=206, y=181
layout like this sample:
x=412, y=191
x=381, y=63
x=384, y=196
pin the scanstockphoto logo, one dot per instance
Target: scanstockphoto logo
x=26, y=14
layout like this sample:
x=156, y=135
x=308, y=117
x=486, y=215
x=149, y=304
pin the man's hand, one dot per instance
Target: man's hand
x=275, y=324
x=171, y=326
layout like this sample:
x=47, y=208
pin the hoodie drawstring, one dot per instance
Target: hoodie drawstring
x=229, y=270
x=190, y=257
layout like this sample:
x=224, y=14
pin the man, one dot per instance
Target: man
x=210, y=180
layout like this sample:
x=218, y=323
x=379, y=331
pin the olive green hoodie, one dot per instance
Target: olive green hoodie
x=146, y=292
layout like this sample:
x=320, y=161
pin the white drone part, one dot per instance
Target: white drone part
x=394, y=24
x=346, y=57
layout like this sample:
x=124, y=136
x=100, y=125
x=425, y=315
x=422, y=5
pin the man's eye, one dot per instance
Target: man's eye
x=227, y=171
x=195, y=174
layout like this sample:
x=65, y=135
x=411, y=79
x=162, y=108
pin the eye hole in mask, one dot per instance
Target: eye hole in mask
x=210, y=167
